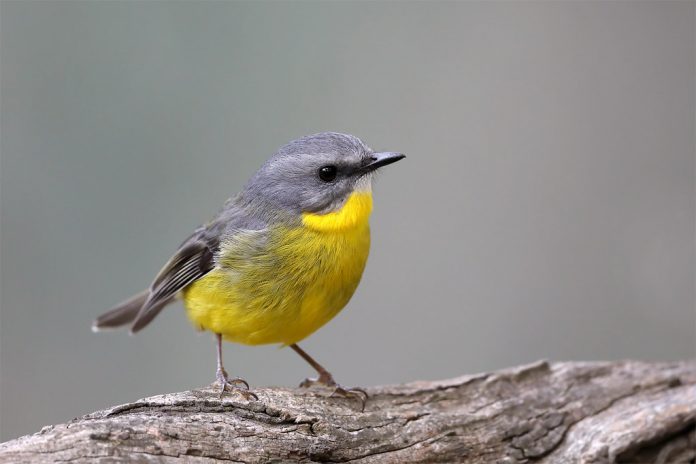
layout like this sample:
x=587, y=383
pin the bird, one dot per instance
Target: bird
x=279, y=260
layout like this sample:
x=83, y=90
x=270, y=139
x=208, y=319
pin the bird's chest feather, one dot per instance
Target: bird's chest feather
x=328, y=266
x=291, y=285
x=331, y=250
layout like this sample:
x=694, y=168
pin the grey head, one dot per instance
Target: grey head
x=316, y=173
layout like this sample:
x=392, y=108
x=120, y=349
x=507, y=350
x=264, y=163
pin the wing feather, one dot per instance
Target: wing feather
x=194, y=260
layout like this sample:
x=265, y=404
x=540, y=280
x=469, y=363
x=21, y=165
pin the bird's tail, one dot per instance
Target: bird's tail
x=122, y=314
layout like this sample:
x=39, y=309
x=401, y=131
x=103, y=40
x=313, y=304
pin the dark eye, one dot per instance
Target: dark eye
x=327, y=173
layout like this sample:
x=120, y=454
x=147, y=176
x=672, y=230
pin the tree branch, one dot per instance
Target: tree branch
x=598, y=412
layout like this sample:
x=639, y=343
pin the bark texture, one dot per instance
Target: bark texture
x=582, y=412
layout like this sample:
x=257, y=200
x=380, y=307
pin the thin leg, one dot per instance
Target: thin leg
x=325, y=378
x=236, y=384
x=219, y=353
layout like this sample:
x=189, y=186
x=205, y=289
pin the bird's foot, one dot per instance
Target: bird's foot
x=353, y=392
x=326, y=380
x=236, y=385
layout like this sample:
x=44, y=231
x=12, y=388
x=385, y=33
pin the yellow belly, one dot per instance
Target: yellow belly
x=282, y=287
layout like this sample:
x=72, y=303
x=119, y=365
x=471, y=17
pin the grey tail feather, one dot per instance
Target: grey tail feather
x=141, y=320
x=122, y=314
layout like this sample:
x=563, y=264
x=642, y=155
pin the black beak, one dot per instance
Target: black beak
x=377, y=160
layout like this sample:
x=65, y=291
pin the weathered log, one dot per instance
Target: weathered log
x=575, y=412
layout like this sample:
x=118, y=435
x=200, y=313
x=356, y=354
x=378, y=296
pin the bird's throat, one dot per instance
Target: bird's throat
x=354, y=213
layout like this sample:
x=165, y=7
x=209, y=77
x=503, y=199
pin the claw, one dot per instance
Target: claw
x=310, y=382
x=236, y=385
x=338, y=391
x=357, y=393
x=245, y=393
x=326, y=379
x=241, y=382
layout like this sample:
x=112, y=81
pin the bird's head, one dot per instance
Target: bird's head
x=318, y=174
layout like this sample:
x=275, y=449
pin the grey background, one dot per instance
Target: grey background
x=546, y=209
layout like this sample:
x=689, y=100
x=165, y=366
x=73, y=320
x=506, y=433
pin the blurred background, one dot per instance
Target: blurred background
x=546, y=208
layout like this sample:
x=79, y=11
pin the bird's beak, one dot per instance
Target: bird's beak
x=377, y=160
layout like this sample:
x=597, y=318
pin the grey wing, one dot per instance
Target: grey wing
x=194, y=259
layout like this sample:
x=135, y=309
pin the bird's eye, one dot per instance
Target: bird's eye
x=327, y=173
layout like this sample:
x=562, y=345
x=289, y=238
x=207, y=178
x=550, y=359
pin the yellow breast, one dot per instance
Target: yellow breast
x=282, y=285
x=354, y=213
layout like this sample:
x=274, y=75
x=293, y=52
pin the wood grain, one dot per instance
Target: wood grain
x=573, y=412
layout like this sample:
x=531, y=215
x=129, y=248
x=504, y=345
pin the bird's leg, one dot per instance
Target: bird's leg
x=236, y=384
x=325, y=378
